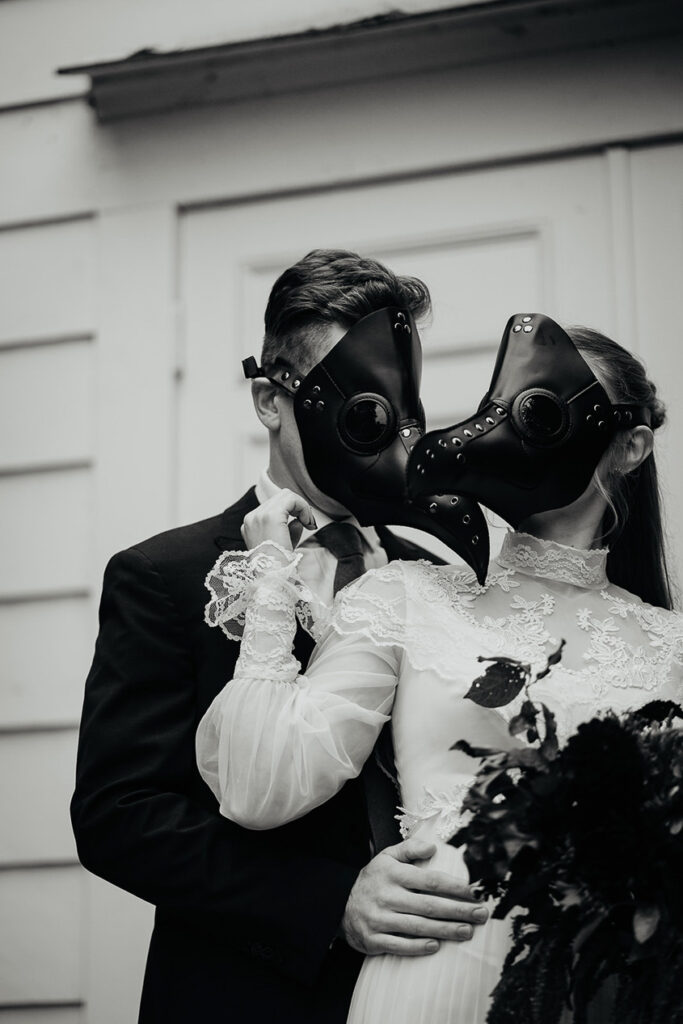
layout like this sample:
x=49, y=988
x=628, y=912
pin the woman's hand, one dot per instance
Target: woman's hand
x=271, y=521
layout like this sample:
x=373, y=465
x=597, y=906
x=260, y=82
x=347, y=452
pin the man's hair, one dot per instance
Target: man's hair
x=330, y=286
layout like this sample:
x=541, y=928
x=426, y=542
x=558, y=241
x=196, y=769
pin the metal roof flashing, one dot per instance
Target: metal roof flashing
x=150, y=82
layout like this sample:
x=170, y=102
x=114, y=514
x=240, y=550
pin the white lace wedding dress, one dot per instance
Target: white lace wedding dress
x=403, y=641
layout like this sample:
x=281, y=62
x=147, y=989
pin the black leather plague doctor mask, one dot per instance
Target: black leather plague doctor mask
x=535, y=441
x=359, y=415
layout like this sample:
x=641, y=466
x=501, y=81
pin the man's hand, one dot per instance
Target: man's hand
x=398, y=907
x=271, y=520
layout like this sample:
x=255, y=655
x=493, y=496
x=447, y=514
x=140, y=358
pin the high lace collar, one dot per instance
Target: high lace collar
x=552, y=561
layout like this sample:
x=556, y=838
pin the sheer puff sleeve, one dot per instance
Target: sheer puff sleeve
x=276, y=743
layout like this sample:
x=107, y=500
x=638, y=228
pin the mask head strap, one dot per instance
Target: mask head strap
x=625, y=417
x=283, y=375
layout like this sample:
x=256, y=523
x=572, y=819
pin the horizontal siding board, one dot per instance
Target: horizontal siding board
x=46, y=524
x=46, y=649
x=34, y=801
x=46, y=397
x=40, y=937
x=47, y=276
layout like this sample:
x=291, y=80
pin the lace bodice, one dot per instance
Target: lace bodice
x=404, y=640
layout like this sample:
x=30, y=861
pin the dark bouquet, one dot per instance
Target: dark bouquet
x=583, y=845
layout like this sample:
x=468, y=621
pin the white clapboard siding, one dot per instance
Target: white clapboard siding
x=46, y=272
x=40, y=939
x=38, y=770
x=46, y=404
x=489, y=244
x=48, y=389
x=46, y=520
x=46, y=650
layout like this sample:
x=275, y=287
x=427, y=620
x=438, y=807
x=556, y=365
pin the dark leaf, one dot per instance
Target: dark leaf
x=526, y=757
x=525, y=720
x=594, y=948
x=549, y=747
x=466, y=748
x=659, y=710
x=500, y=660
x=514, y=844
x=645, y=922
x=567, y=895
x=556, y=657
x=501, y=683
x=553, y=659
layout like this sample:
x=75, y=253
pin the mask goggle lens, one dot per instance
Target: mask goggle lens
x=367, y=423
x=540, y=417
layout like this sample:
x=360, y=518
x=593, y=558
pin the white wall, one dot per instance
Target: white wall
x=134, y=262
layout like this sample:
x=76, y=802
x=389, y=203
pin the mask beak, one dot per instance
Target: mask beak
x=459, y=522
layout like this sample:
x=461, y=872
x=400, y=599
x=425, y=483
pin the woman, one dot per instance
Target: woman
x=404, y=641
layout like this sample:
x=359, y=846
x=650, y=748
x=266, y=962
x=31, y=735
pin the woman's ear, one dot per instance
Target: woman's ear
x=626, y=452
x=638, y=446
x=266, y=397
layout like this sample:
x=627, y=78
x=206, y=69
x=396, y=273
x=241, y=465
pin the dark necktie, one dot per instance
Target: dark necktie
x=346, y=544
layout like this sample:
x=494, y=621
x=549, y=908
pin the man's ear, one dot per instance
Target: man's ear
x=637, y=448
x=266, y=397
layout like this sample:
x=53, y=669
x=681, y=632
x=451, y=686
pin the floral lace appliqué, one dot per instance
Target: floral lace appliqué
x=374, y=606
x=446, y=806
x=231, y=583
x=613, y=662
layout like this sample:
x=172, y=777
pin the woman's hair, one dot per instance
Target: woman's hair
x=632, y=524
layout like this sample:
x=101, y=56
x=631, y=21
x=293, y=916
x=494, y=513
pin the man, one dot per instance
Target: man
x=264, y=926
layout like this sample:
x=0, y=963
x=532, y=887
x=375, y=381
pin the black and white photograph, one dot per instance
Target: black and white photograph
x=341, y=512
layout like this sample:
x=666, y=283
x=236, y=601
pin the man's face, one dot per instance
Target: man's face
x=341, y=431
x=289, y=440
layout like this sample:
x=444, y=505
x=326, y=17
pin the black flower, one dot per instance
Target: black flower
x=584, y=846
x=603, y=771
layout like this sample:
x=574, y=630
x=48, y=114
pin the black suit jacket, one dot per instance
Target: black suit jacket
x=245, y=921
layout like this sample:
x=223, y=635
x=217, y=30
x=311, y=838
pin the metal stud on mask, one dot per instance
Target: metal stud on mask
x=359, y=416
x=537, y=436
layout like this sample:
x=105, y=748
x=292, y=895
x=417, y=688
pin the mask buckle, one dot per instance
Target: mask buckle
x=251, y=368
x=283, y=375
